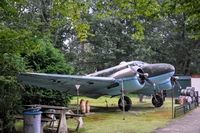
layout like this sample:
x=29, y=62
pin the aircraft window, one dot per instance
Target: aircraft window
x=140, y=63
x=134, y=63
x=123, y=62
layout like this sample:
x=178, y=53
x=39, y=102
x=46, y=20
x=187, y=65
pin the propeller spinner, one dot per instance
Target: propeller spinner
x=142, y=76
x=174, y=80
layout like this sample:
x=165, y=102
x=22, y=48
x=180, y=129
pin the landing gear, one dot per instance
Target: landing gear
x=157, y=100
x=127, y=103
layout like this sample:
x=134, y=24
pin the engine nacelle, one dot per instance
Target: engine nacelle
x=128, y=72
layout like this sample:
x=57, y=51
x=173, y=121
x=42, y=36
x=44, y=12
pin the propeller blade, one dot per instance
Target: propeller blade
x=174, y=80
x=178, y=84
x=150, y=82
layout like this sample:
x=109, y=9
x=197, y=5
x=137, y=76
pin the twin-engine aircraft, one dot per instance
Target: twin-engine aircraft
x=128, y=77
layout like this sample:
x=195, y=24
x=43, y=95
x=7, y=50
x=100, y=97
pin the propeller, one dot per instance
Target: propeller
x=174, y=80
x=143, y=76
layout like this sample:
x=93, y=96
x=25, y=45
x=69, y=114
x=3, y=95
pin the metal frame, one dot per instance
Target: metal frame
x=185, y=108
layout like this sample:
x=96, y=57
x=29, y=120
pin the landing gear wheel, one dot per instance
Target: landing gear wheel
x=157, y=101
x=127, y=103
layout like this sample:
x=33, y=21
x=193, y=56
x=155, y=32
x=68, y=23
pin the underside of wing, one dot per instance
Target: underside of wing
x=67, y=83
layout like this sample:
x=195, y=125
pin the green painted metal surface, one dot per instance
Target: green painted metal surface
x=184, y=81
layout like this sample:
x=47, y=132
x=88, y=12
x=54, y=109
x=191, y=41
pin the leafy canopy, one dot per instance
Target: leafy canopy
x=190, y=9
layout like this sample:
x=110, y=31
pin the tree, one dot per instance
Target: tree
x=10, y=89
x=22, y=31
x=190, y=10
x=165, y=40
x=185, y=18
x=116, y=28
x=47, y=60
x=130, y=9
x=15, y=38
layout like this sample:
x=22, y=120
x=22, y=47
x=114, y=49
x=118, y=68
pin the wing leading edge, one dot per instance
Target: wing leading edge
x=67, y=83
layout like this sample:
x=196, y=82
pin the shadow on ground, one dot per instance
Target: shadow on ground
x=141, y=107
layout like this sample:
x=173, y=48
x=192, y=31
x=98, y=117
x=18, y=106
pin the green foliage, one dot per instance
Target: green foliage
x=68, y=13
x=10, y=101
x=112, y=43
x=15, y=37
x=35, y=95
x=130, y=9
x=23, y=27
x=10, y=89
x=165, y=39
x=191, y=11
x=17, y=40
x=47, y=60
x=117, y=27
x=11, y=64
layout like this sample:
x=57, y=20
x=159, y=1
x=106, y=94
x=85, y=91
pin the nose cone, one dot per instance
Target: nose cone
x=169, y=68
x=159, y=69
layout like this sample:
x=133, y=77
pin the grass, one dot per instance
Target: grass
x=19, y=125
x=141, y=118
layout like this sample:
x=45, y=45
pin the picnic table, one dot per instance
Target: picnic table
x=59, y=110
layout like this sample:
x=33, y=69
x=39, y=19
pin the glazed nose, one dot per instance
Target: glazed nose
x=158, y=69
x=165, y=68
x=169, y=68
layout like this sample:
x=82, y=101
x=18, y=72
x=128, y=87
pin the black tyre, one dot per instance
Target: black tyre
x=157, y=101
x=127, y=103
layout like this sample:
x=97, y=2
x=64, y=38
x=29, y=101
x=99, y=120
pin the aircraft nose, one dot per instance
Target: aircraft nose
x=159, y=69
x=170, y=68
x=163, y=68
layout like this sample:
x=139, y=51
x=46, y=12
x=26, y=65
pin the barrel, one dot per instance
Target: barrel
x=183, y=92
x=190, y=88
x=194, y=99
x=32, y=121
x=189, y=99
x=182, y=99
x=87, y=106
x=190, y=93
x=82, y=106
x=196, y=94
x=187, y=92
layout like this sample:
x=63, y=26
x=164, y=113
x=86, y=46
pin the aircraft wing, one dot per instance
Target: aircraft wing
x=67, y=83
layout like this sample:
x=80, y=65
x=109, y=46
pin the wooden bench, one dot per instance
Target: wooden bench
x=45, y=121
x=18, y=117
x=60, y=112
x=69, y=114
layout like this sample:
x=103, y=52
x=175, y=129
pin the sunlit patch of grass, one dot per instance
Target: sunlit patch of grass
x=141, y=118
x=95, y=117
x=164, y=114
x=115, y=123
x=167, y=114
x=19, y=125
